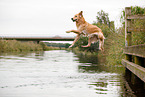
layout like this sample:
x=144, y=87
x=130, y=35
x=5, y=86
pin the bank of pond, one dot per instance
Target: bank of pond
x=20, y=46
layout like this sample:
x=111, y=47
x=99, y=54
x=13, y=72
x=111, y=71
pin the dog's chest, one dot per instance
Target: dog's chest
x=82, y=28
x=84, y=31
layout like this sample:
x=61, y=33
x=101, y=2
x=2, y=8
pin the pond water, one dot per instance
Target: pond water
x=58, y=73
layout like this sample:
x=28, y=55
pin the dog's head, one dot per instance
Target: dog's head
x=77, y=17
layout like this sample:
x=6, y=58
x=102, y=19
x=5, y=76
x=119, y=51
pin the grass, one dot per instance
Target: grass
x=17, y=46
x=114, y=49
x=13, y=45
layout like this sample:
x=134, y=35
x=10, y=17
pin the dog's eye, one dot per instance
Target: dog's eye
x=75, y=16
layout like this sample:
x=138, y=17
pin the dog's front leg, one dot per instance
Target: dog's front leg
x=76, y=39
x=75, y=31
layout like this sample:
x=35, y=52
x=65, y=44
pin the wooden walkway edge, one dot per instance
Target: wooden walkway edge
x=136, y=69
x=136, y=50
x=134, y=61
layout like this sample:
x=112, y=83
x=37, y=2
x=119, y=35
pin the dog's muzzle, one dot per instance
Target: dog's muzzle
x=73, y=19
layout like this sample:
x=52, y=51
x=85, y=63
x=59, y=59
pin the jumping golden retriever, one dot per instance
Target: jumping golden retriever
x=84, y=28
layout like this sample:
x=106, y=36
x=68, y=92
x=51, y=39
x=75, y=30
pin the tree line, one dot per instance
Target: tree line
x=64, y=45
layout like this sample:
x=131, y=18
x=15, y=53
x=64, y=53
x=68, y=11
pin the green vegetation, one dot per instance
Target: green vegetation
x=137, y=37
x=60, y=45
x=13, y=45
x=115, y=38
x=114, y=45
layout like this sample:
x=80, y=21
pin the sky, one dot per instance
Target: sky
x=53, y=17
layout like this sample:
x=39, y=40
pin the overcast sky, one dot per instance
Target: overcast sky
x=53, y=17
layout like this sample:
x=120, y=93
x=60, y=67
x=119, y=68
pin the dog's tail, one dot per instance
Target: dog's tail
x=104, y=37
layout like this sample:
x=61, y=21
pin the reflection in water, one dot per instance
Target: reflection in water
x=58, y=73
x=90, y=64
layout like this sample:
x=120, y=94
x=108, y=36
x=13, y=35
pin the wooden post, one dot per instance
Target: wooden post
x=128, y=57
x=136, y=81
x=133, y=75
x=38, y=42
x=127, y=71
x=127, y=40
x=127, y=24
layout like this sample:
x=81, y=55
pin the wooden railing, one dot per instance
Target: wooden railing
x=134, y=61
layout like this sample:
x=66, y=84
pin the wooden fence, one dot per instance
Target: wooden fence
x=134, y=61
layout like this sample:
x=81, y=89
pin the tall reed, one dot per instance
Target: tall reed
x=13, y=45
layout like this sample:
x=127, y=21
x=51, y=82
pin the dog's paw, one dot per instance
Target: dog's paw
x=70, y=46
x=67, y=31
x=101, y=49
x=86, y=46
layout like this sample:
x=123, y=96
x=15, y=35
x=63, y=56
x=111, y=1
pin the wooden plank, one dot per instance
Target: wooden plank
x=134, y=68
x=135, y=17
x=131, y=29
x=129, y=92
x=137, y=50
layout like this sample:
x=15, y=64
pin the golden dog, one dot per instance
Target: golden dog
x=83, y=28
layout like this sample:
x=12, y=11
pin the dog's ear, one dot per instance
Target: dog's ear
x=81, y=13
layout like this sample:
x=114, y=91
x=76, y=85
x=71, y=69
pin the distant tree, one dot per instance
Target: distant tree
x=134, y=11
x=67, y=45
x=137, y=10
x=104, y=23
x=103, y=18
x=44, y=46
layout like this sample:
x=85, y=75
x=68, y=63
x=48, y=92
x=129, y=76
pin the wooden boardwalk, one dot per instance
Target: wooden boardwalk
x=134, y=61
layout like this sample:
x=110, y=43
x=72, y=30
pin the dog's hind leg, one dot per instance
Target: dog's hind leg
x=89, y=42
x=101, y=43
x=92, y=39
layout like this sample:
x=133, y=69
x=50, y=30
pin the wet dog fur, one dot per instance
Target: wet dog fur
x=84, y=28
